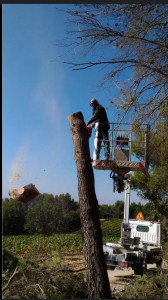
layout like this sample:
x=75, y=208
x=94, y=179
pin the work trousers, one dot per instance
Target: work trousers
x=103, y=136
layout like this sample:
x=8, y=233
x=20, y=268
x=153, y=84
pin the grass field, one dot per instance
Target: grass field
x=48, y=267
x=30, y=245
x=53, y=267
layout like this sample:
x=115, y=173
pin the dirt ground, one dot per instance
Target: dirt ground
x=74, y=261
x=118, y=278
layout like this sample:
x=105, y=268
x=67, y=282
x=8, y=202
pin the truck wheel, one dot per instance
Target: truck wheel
x=159, y=263
x=110, y=268
x=138, y=269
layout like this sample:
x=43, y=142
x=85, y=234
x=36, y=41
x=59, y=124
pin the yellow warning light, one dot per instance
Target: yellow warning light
x=140, y=216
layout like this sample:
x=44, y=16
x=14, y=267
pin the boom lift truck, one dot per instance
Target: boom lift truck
x=140, y=241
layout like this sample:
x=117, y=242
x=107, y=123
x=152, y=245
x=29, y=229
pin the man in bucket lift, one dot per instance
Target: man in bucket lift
x=100, y=115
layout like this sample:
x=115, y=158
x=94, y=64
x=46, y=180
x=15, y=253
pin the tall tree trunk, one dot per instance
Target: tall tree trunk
x=98, y=286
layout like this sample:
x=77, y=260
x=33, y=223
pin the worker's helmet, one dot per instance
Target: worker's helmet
x=93, y=101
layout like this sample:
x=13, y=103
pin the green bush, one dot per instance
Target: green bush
x=10, y=261
x=46, y=214
x=68, y=287
x=151, y=286
x=59, y=214
x=44, y=281
x=13, y=217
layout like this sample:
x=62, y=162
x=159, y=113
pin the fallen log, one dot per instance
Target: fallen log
x=25, y=193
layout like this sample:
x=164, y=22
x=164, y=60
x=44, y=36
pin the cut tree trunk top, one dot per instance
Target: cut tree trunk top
x=25, y=193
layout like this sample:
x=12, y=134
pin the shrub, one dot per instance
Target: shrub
x=45, y=281
x=10, y=261
x=13, y=217
x=151, y=286
x=51, y=214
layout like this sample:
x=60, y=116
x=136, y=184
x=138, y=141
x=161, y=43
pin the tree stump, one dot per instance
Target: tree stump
x=97, y=281
x=25, y=193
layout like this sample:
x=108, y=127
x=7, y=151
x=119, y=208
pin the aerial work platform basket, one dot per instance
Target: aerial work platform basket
x=125, y=140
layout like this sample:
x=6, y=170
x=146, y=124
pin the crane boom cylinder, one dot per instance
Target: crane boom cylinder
x=127, y=203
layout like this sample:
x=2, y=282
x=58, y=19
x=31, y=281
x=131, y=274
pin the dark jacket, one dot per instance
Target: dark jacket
x=100, y=115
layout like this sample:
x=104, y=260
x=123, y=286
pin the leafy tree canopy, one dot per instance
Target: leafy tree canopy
x=45, y=214
x=13, y=217
x=59, y=214
x=154, y=186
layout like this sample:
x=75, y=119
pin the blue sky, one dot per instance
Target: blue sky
x=39, y=92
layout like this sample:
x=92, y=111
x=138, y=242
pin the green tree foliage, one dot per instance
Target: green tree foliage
x=13, y=217
x=65, y=202
x=105, y=211
x=117, y=211
x=112, y=211
x=130, y=40
x=59, y=214
x=49, y=214
x=154, y=186
x=134, y=210
x=148, y=210
x=46, y=214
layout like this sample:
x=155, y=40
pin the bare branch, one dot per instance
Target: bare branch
x=133, y=39
x=82, y=66
x=41, y=290
x=14, y=273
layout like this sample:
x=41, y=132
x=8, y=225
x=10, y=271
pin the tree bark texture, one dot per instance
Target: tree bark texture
x=25, y=193
x=97, y=281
